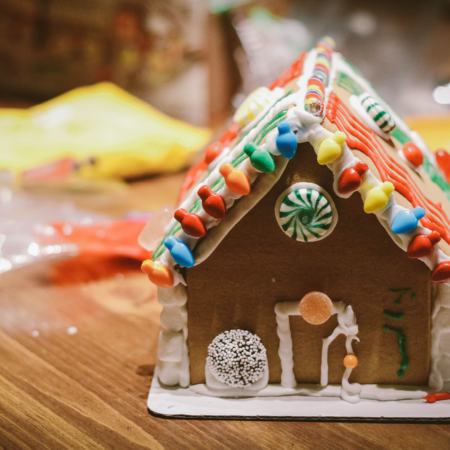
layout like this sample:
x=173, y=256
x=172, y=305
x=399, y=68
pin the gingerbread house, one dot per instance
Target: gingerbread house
x=310, y=252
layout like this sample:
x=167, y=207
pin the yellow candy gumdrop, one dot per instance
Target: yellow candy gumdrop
x=378, y=197
x=330, y=149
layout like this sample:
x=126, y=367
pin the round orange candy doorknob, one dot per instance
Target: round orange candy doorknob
x=316, y=307
x=350, y=361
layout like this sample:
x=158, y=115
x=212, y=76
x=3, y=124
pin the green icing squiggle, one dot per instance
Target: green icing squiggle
x=402, y=346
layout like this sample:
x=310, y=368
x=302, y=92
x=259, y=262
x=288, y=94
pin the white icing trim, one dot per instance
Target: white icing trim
x=368, y=391
x=346, y=325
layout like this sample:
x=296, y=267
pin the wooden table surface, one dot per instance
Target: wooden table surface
x=88, y=390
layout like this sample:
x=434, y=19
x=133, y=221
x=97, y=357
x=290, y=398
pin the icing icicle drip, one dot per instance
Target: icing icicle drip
x=347, y=326
x=283, y=310
x=313, y=309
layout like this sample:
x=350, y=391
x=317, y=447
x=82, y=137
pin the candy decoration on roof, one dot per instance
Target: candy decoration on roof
x=158, y=274
x=305, y=215
x=294, y=71
x=212, y=203
x=286, y=140
x=443, y=161
x=260, y=158
x=378, y=197
x=406, y=221
x=330, y=149
x=213, y=151
x=350, y=361
x=423, y=244
x=230, y=134
x=314, y=99
x=179, y=251
x=378, y=113
x=413, y=154
x=315, y=307
x=236, y=180
x=441, y=273
x=315, y=94
x=191, y=223
x=253, y=105
x=351, y=178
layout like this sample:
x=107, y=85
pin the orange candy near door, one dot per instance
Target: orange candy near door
x=316, y=308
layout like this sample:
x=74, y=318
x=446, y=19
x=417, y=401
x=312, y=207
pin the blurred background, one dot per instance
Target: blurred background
x=104, y=104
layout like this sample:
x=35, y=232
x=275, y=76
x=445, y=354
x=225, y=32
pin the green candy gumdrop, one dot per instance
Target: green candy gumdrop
x=260, y=158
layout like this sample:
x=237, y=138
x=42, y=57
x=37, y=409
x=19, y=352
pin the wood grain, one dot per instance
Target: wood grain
x=88, y=390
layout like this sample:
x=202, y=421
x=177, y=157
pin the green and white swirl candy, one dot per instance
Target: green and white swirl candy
x=306, y=215
x=378, y=113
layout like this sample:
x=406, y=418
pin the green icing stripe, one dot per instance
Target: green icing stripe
x=402, y=346
x=393, y=315
x=400, y=290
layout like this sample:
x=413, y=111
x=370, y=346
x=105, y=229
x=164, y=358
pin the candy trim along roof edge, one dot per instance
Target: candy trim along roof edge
x=289, y=108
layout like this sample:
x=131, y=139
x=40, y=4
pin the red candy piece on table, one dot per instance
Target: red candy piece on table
x=351, y=178
x=422, y=245
x=213, y=203
x=191, y=223
x=230, y=134
x=413, y=154
x=213, y=151
x=432, y=398
x=441, y=274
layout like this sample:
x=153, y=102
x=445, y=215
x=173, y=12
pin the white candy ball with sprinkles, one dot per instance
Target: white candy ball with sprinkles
x=237, y=358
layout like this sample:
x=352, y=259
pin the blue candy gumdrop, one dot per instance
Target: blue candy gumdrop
x=286, y=140
x=406, y=221
x=180, y=252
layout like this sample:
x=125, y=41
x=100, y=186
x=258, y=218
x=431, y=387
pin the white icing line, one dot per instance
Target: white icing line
x=283, y=310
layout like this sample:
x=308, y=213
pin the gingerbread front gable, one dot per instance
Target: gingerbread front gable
x=323, y=102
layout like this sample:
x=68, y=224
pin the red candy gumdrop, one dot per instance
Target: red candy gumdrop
x=191, y=223
x=351, y=178
x=441, y=274
x=422, y=245
x=213, y=151
x=213, y=203
x=443, y=161
x=413, y=154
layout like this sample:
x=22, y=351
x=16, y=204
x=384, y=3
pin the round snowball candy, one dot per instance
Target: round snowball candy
x=237, y=358
x=316, y=308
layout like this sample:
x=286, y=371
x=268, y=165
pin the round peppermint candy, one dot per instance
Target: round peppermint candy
x=378, y=113
x=306, y=213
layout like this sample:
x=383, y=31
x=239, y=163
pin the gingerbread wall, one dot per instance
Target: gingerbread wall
x=257, y=265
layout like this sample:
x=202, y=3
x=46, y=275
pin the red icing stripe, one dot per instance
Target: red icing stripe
x=294, y=71
x=361, y=138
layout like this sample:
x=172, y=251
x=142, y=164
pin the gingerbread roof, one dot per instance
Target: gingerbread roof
x=324, y=100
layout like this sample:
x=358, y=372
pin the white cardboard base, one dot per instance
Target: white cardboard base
x=176, y=401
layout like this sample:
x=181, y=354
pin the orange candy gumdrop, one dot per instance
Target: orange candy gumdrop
x=350, y=361
x=236, y=180
x=316, y=308
x=157, y=273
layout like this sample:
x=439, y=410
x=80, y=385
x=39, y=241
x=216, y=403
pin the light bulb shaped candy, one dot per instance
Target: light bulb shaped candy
x=330, y=149
x=378, y=197
x=236, y=180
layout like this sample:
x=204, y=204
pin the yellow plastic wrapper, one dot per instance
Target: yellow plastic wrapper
x=435, y=130
x=99, y=132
